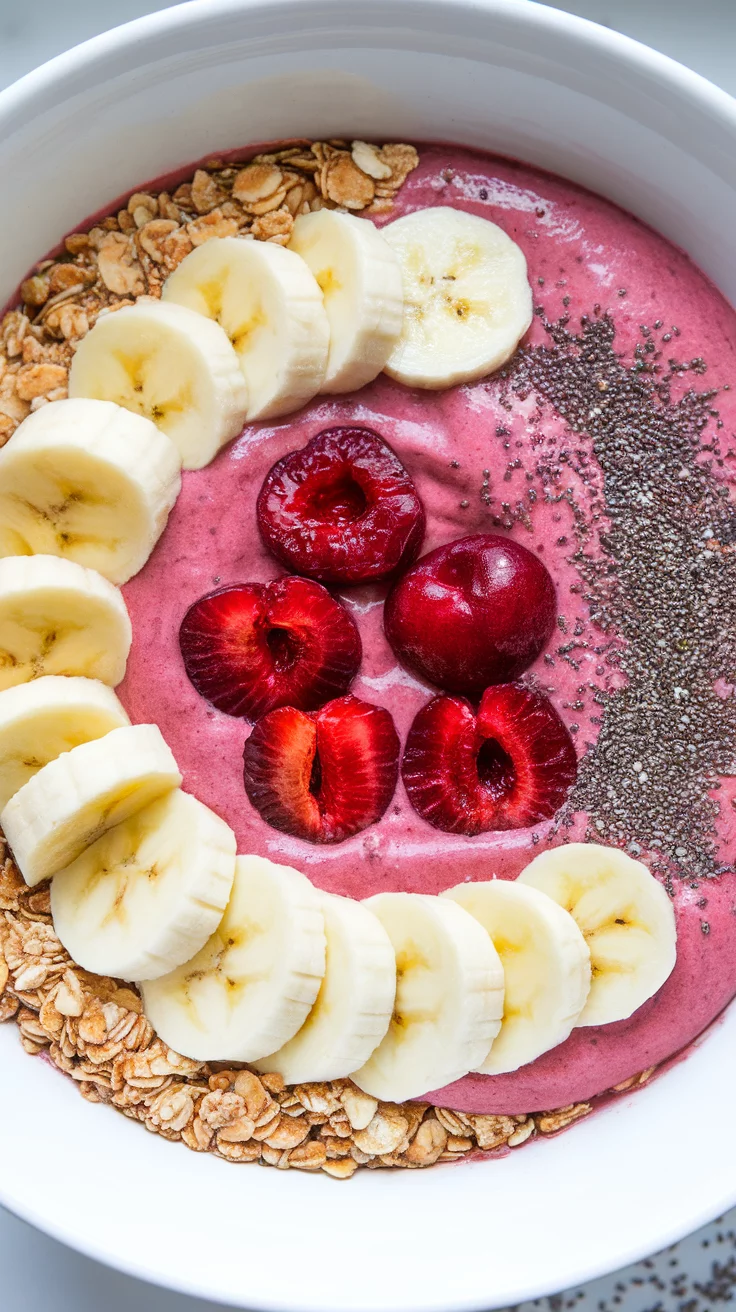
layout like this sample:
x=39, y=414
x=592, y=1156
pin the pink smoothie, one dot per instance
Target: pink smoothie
x=582, y=253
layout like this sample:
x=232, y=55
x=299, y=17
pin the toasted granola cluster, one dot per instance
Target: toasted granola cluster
x=131, y=253
x=93, y=1029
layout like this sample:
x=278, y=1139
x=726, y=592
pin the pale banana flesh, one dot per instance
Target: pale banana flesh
x=449, y=997
x=72, y=801
x=467, y=299
x=546, y=966
x=171, y=365
x=89, y=482
x=360, y=279
x=625, y=916
x=146, y=896
x=56, y=617
x=51, y=715
x=355, y=1002
x=254, y=983
x=271, y=308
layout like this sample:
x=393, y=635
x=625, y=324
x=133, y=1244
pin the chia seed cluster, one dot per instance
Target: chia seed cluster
x=657, y=559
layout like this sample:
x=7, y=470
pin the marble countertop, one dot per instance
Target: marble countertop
x=697, y=1275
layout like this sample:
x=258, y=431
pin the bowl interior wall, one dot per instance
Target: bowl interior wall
x=529, y=83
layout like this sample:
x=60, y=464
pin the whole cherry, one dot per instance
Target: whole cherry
x=475, y=612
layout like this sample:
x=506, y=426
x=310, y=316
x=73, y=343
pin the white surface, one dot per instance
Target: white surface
x=431, y=1240
x=36, y=1273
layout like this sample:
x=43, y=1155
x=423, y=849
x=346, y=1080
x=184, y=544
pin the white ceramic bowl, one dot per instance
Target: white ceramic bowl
x=577, y=99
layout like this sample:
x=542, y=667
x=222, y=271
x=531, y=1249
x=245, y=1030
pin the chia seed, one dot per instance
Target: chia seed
x=660, y=586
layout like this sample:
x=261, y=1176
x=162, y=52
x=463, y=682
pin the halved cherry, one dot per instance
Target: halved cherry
x=342, y=509
x=326, y=775
x=507, y=767
x=252, y=647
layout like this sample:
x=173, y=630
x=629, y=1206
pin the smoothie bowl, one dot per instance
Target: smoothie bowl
x=388, y=484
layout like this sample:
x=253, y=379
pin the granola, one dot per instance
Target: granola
x=93, y=1029
x=132, y=252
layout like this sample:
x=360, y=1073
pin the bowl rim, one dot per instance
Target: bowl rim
x=161, y=24
x=40, y=89
x=529, y=1290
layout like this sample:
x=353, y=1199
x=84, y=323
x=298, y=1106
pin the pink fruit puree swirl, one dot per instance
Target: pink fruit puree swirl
x=585, y=250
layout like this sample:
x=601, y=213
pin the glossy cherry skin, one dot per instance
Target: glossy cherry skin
x=475, y=612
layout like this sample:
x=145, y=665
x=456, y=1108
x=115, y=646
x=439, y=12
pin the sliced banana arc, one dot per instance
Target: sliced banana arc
x=449, y=997
x=171, y=365
x=75, y=799
x=88, y=481
x=355, y=1002
x=467, y=299
x=149, y=893
x=253, y=984
x=269, y=304
x=56, y=617
x=546, y=965
x=360, y=279
x=625, y=916
x=40, y=720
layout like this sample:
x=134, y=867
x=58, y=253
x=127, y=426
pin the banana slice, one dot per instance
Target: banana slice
x=272, y=310
x=40, y=720
x=467, y=299
x=449, y=997
x=56, y=617
x=173, y=366
x=252, y=985
x=360, y=279
x=75, y=799
x=354, y=1004
x=626, y=918
x=88, y=481
x=546, y=965
x=149, y=893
